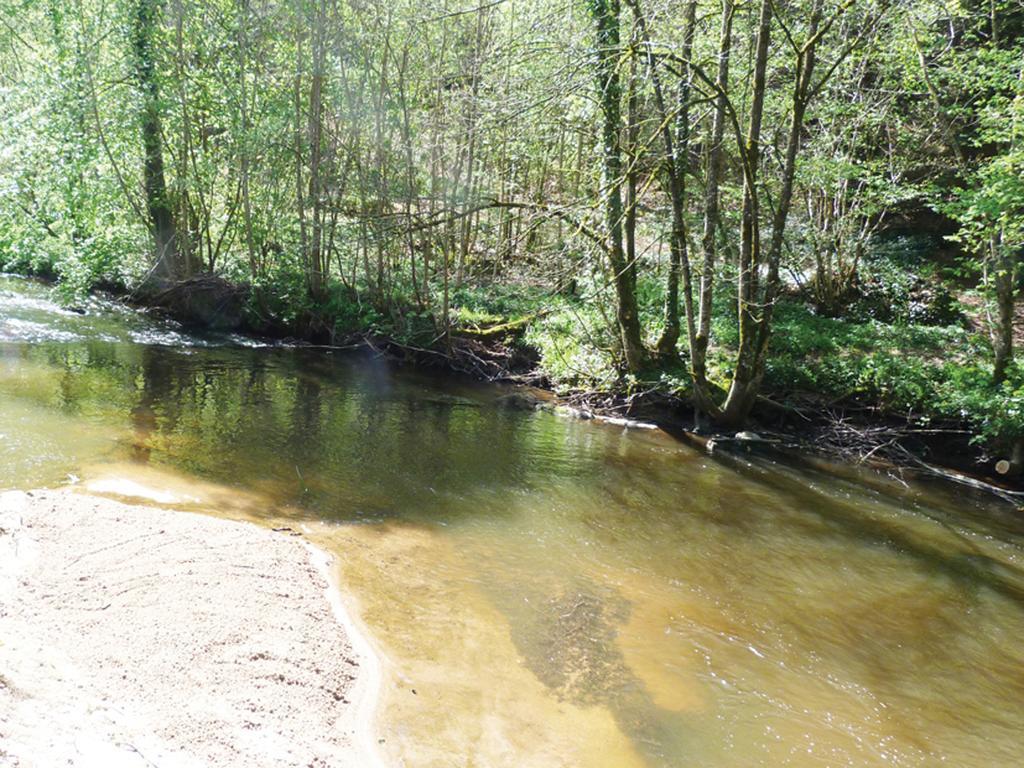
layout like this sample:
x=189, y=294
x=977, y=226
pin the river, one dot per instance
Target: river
x=547, y=591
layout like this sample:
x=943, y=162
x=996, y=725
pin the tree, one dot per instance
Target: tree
x=169, y=262
x=605, y=15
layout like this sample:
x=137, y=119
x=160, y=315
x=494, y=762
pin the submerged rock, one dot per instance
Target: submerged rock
x=518, y=401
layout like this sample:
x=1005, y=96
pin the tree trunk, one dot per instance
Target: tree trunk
x=168, y=262
x=744, y=385
x=699, y=349
x=605, y=14
x=317, y=278
x=633, y=151
x=300, y=196
x=255, y=267
x=676, y=165
x=755, y=323
x=1005, y=281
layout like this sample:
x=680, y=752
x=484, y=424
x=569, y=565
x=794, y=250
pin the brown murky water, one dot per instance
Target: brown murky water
x=548, y=592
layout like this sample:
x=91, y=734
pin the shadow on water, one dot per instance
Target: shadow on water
x=831, y=513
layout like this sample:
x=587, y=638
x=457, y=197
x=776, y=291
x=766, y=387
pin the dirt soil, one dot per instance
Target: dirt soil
x=132, y=636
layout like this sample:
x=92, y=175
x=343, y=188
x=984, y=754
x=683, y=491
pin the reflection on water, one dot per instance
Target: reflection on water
x=549, y=592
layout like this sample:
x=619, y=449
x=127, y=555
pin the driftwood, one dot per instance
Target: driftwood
x=490, y=360
x=1014, y=497
x=511, y=328
x=885, y=444
x=206, y=300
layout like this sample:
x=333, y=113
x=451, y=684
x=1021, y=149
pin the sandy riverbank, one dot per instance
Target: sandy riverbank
x=132, y=636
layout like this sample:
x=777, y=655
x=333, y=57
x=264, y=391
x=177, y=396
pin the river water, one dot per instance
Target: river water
x=546, y=591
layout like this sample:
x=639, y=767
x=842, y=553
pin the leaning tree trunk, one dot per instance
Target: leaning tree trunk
x=169, y=263
x=605, y=14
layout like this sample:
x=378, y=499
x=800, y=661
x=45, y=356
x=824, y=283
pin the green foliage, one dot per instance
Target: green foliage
x=926, y=372
x=577, y=350
x=282, y=296
x=24, y=247
x=900, y=281
x=966, y=392
x=348, y=314
x=494, y=303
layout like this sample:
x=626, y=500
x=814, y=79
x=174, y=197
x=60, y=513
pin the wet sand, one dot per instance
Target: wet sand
x=133, y=636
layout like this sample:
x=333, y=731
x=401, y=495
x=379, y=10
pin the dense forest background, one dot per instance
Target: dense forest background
x=807, y=205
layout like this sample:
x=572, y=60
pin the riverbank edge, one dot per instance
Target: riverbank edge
x=806, y=431
x=367, y=687
x=809, y=430
x=353, y=662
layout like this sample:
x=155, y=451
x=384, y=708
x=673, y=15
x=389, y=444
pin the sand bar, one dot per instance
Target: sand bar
x=133, y=636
